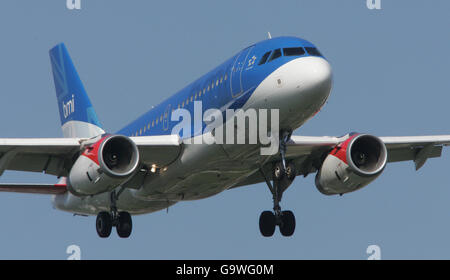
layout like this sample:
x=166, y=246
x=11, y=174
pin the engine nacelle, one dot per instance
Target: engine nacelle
x=103, y=165
x=352, y=165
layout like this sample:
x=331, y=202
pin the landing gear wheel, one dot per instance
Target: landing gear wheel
x=124, y=225
x=287, y=226
x=267, y=223
x=103, y=224
x=278, y=171
x=290, y=171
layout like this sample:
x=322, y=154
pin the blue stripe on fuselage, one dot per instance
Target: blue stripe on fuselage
x=221, y=82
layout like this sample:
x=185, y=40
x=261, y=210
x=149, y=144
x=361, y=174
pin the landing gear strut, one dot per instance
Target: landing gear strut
x=121, y=220
x=283, y=174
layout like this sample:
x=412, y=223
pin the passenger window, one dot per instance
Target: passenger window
x=313, y=51
x=264, y=58
x=293, y=51
x=276, y=54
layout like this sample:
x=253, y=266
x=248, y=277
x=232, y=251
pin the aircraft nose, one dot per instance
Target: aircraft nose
x=316, y=76
x=304, y=85
x=300, y=87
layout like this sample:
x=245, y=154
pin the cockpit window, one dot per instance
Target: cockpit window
x=264, y=58
x=293, y=51
x=313, y=51
x=276, y=54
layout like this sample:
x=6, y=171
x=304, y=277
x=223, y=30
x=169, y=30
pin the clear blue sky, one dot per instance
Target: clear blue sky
x=391, y=77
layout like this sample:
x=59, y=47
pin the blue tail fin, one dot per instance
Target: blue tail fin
x=78, y=118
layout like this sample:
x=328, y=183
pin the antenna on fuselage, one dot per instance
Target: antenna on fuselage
x=270, y=35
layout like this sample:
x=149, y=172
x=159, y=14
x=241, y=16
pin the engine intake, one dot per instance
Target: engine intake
x=367, y=155
x=352, y=165
x=104, y=165
x=118, y=156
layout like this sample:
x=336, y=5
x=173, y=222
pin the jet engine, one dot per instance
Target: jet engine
x=352, y=165
x=103, y=165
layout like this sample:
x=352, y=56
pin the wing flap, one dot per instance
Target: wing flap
x=416, y=148
x=37, y=154
x=33, y=162
x=410, y=153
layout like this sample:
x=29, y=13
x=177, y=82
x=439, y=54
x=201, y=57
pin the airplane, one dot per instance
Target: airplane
x=145, y=167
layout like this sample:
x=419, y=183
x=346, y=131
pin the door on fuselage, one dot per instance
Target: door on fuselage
x=236, y=72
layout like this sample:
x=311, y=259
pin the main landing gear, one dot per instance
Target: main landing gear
x=283, y=175
x=121, y=220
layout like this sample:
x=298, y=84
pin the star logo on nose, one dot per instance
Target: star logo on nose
x=251, y=61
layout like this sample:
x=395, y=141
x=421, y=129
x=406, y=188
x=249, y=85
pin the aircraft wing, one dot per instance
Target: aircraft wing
x=400, y=148
x=56, y=156
x=34, y=188
x=308, y=152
